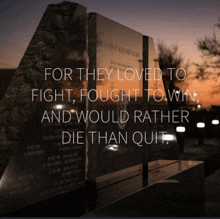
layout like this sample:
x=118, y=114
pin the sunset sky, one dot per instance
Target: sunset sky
x=174, y=22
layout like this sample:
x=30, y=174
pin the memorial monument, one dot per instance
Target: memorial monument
x=87, y=103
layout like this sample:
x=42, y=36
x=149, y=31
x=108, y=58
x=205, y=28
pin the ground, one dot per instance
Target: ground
x=209, y=152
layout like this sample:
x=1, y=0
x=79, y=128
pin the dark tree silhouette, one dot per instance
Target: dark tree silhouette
x=210, y=68
x=169, y=57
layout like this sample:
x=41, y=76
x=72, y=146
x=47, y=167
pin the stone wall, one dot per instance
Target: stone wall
x=59, y=42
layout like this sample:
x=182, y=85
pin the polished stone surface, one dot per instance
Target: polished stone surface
x=119, y=49
x=212, y=191
x=180, y=193
x=169, y=198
